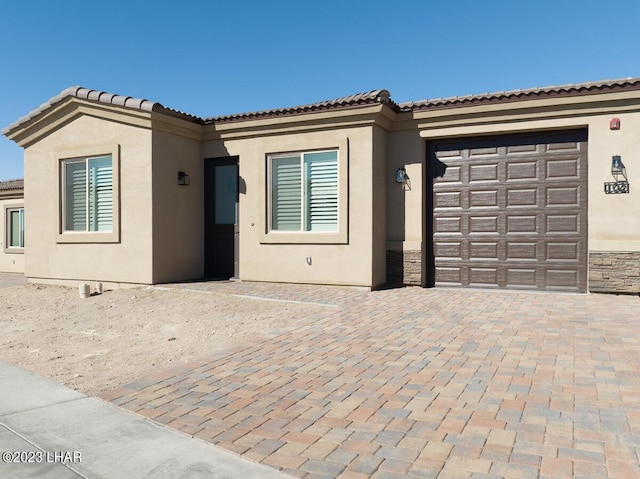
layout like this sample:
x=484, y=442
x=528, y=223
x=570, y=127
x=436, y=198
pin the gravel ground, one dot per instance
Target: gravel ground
x=112, y=339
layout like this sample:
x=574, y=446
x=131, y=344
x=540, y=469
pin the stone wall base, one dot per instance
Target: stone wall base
x=404, y=268
x=614, y=272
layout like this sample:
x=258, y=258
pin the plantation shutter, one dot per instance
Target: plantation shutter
x=75, y=196
x=321, y=195
x=286, y=194
x=100, y=194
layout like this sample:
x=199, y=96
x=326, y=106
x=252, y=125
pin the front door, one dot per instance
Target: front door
x=221, y=217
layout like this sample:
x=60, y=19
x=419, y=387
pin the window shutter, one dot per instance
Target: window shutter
x=76, y=196
x=321, y=174
x=100, y=194
x=286, y=192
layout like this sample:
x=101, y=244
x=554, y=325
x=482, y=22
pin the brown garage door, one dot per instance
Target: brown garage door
x=510, y=212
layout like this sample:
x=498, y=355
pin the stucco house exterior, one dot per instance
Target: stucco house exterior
x=526, y=189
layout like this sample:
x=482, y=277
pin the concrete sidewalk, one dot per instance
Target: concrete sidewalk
x=69, y=435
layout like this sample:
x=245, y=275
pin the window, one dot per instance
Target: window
x=88, y=194
x=304, y=192
x=15, y=227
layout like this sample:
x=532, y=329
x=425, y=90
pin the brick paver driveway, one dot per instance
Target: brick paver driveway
x=421, y=383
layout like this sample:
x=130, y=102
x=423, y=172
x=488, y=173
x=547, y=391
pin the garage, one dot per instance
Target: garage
x=509, y=212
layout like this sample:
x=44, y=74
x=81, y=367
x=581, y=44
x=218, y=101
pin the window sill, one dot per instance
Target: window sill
x=288, y=237
x=83, y=237
x=13, y=250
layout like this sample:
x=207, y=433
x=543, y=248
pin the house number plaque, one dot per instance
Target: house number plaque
x=616, y=187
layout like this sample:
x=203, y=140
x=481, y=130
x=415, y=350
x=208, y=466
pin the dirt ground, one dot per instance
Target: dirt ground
x=112, y=339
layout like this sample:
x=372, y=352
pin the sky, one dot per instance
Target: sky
x=219, y=57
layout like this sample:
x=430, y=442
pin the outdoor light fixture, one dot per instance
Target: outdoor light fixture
x=619, y=173
x=401, y=175
x=617, y=168
x=183, y=178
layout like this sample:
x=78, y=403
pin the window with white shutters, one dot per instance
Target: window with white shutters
x=88, y=194
x=304, y=192
x=15, y=227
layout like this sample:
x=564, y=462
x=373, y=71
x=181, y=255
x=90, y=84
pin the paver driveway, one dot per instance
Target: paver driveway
x=420, y=383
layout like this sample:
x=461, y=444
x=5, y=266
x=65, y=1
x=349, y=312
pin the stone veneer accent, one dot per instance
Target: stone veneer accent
x=404, y=268
x=614, y=272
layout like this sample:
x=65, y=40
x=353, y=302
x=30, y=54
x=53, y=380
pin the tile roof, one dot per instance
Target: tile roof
x=531, y=93
x=359, y=99
x=101, y=97
x=11, y=185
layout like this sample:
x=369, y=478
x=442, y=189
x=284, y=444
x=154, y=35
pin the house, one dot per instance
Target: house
x=12, y=226
x=525, y=189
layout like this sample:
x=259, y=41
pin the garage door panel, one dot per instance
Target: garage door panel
x=449, y=275
x=483, y=224
x=563, y=146
x=563, y=224
x=483, y=199
x=522, y=171
x=526, y=148
x=564, y=252
x=522, y=197
x=450, y=153
x=448, y=249
x=483, y=151
x=522, y=251
x=483, y=277
x=517, y=208
x=453, y=174
x=564, y=169
x=518, y=224
x=481, y=173
x=448, y=199
x=483, y=250
x=563, y=196
x=561, y=279
x=448, y=225
x=523, y=278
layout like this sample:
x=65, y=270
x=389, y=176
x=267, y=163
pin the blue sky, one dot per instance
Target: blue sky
x=212, y=58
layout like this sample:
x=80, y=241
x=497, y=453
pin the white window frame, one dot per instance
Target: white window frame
x=305, y=209
x=88, y=207
x=9, y=248
x=85, y=155
x=306, y=143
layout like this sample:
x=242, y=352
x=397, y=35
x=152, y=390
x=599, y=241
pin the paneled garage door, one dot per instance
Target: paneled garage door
x=511, y=211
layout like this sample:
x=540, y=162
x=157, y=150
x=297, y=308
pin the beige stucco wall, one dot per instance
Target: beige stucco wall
x=12, y=260
x=381, y=183
x=405, y=203
x=345, y=261
x=178, y=220
x=130, y=259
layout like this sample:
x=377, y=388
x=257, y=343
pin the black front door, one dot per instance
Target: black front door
x=221, y=217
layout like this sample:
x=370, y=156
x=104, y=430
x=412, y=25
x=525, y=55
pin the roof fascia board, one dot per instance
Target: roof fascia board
x=172, y=124
x=522, y=110
x=12, y=194
x=69, y=109
x=289, y=124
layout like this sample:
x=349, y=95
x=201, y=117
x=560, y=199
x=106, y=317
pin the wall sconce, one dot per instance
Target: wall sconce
x=617, y=168
x=401, y=175
x=183, y=178
x=619, y=173
x=403, y=178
